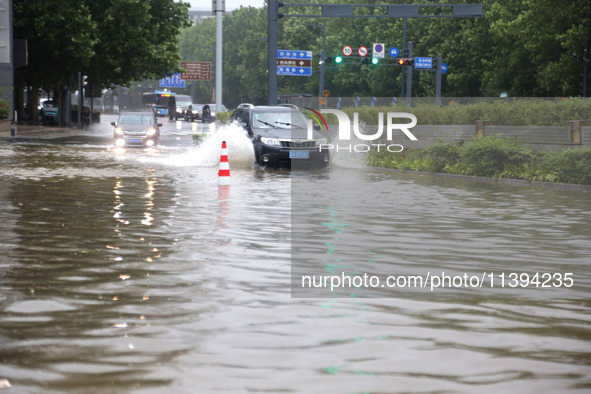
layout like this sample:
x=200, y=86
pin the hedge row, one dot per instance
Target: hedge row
x=524, y=112
x=492, y=157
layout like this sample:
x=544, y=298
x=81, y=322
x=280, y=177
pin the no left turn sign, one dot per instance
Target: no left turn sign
x=362, y=51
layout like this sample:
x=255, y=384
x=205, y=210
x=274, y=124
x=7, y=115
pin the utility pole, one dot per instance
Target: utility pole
x=219, y=11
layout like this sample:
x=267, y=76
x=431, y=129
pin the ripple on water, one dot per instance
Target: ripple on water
x=139, y=270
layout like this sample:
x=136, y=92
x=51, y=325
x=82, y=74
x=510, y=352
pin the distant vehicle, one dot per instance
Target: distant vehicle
x=194, y=112
x=182, y=102
x=136, y=129
x=49, y=112
x=215, y=109
x=279, y=135
x=159, y=101
x=206, y=115
x=208, y=112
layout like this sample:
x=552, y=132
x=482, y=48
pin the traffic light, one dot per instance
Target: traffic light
x=373, y=60
x=406, y=62
x=333, y=59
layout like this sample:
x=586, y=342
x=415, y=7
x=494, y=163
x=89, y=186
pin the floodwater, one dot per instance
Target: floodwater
x=135, y=272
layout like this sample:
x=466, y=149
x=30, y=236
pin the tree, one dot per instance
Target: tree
x=110, y=41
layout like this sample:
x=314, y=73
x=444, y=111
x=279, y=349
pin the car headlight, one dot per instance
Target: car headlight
x=179, y=110
x=151, y=132
x=321, y=141
x=119, y=131
x=270, y=141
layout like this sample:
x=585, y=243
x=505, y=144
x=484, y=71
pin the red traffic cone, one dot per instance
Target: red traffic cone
x=224, y=172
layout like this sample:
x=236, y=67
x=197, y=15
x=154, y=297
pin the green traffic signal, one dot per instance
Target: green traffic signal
x=375, y=60
x=338, y=59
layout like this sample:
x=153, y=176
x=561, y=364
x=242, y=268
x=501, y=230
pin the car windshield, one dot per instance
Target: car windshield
x=213, y=108
x=183, y=104
x=136, y=119
x=280, y=120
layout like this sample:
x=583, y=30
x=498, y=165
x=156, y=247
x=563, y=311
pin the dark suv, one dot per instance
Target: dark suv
x=279, y=135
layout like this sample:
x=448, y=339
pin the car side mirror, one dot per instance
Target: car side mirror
x=159, y=124
x=113, y=123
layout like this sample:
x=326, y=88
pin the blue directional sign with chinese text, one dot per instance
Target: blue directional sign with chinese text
x=294, y=62
x=174, y=81
x=423, y=62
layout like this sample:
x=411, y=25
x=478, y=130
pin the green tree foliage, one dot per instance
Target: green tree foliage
x=244, y=56
x=137, y=40
x=523, y=47
x=110, y=41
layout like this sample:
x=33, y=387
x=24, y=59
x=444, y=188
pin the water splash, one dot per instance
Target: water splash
x=207, y=153
x=344, y=155
x=240, y=150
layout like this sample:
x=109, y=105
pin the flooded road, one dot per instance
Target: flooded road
x=135, y=272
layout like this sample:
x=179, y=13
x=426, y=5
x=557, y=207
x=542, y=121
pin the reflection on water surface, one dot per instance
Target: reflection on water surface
x=138, y=273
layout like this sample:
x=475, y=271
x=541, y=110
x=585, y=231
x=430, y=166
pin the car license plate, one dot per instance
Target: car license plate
x=299, y=154
x=135, y=141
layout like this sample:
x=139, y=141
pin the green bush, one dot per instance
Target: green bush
x=500, y=111
x=441, y=155
x=572, y=166
x=489, y=156
x=223, y=117
x=4, y=109
x=492, y=157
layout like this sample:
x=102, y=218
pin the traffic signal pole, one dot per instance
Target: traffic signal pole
x=409, y=76
x=349, y=11
x=438, y=81
x=273, y=10
x=404, y=51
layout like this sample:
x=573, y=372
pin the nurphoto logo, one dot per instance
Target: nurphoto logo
x=345, y=131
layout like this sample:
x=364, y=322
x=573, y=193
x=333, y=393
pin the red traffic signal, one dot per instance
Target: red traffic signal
x=406, y=62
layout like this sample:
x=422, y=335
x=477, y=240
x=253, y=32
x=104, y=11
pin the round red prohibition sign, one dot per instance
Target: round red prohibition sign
x=362, y=51
x=347, y=50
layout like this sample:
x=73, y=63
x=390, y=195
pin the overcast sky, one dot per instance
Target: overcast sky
x=230, y=4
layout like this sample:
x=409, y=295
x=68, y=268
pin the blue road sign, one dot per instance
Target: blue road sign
x=294, y=71
x=393, y=52
x=293, y=54
x=303, y=68
x=172, y=82
x=423, y=62
x=443, y=68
